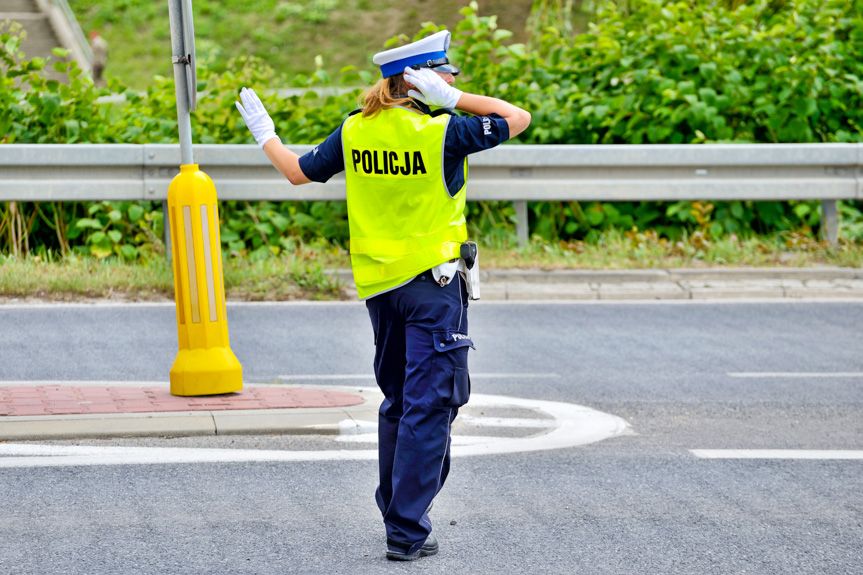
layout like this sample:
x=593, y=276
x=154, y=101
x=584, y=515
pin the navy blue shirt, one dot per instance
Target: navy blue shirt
x=464, y=136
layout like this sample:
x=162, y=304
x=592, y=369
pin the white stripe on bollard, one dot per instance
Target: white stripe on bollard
x=192, y=267
x=219, y=262
x=208, y=262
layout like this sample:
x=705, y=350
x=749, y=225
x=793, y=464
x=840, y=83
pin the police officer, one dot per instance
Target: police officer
x=404, y=154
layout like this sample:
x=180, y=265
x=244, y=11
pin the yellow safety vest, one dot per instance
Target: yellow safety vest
x=402, y=219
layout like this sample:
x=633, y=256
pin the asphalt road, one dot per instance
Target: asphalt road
x=783, y=375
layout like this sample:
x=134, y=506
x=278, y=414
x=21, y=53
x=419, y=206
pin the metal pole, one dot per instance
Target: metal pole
x=521, y=231
x=166, y=229
x=830, y=221
x=179, y=52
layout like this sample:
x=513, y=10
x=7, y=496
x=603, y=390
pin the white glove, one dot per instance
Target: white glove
x=256, y=117
x=434, y=90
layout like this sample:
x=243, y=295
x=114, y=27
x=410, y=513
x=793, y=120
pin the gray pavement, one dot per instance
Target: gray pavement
x=828, y=283
x=736, y=375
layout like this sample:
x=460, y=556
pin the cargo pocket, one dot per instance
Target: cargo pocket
x=450, y=367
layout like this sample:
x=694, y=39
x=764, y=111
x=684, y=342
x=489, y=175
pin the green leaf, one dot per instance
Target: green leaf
x=60, y=52
x=707, y=69
x=229, y=236
x=50, y=103
x=115, y=236
x=128, y=252
x=100, y=251
x=304, y=220
x=802, y=210
x=280, y=221
x=74, y=233
x=595, y=216
x=265, y=228
x=135, y=212
x=804, y=107
x=686, y=87
x=88, y=223
x=73, y=127
x=12, y=45
x=708, y=95
x=517, y=50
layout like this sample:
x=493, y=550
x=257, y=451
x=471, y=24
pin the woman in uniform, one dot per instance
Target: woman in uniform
x=404, y=154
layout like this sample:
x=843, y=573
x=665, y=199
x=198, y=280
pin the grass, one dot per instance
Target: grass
x=81, y=279
x=74, y=279
x=643, y=250
x=300, y=274
x=287, y=35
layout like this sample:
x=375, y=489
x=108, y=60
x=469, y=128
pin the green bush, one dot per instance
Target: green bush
x=678, y=72
x=657, y=72
x=672, y=72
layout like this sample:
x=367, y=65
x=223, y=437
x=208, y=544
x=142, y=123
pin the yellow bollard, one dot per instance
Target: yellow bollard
x=205, y=364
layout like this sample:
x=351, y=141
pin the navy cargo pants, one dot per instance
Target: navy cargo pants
x=421, y=342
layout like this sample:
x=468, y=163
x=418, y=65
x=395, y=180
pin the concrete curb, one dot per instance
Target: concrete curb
x=657, y=274
x=626, y=285
x=662, y=284
x=294, y=421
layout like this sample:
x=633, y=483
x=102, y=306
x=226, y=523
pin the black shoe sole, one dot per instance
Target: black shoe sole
x=423, y=552
x=396, y=556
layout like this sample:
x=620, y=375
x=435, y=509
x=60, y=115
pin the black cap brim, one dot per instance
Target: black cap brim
x=447, y=69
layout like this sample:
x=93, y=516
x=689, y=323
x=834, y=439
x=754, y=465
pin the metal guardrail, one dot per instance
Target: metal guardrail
x=826, y=172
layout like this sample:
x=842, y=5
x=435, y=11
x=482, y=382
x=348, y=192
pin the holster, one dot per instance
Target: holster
x=467, y=265
x=470, y=273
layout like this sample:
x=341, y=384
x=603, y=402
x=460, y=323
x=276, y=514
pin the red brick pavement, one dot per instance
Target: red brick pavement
x=83, y=399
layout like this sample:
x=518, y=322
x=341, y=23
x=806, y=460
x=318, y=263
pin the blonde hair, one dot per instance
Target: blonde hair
x=385, y=94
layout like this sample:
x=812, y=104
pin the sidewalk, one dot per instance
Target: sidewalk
x=635, y=285
x=663, y=284
x=72, y=411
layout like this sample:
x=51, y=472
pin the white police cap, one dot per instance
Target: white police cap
x=430, y=52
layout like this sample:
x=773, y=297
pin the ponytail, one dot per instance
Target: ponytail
x=385, y=94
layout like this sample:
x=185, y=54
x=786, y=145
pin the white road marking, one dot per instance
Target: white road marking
x=335, y=376
x=675, y=302
x=514, y=375
x=573, y=425
x=457, y=440
x=793, y=374
x=777, y=454
x=371, y=376
x=66, y=455
x=506, y=422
